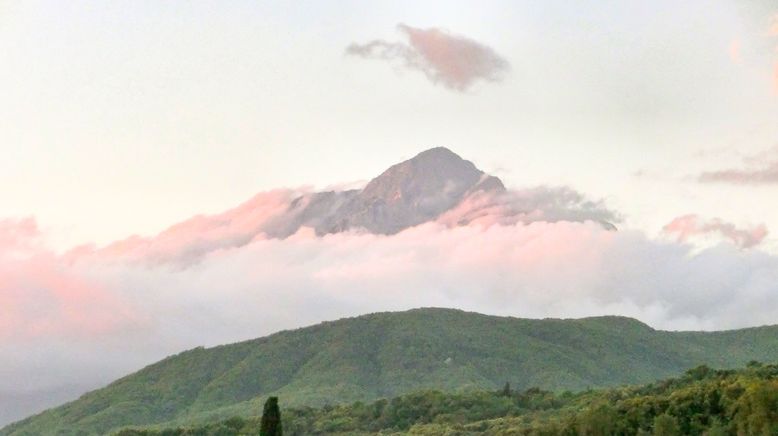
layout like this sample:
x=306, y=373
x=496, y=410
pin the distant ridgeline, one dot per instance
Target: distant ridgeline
x=392, y=354
x=702, y=402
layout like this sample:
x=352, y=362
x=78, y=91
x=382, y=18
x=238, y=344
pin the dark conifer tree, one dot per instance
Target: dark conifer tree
x=506, y=390
x=271, y=419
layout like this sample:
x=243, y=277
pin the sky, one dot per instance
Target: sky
x=125, y=118
x=121, y=119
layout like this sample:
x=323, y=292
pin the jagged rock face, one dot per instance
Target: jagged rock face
x=406, y=194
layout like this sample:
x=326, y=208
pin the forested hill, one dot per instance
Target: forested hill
x=389, y=354
x=701, y=402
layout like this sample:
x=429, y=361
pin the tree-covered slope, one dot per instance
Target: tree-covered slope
x=701, y=402
x=388, y=354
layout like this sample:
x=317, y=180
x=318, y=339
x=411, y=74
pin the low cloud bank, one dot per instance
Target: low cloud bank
x=86, y=317
x=454, y=61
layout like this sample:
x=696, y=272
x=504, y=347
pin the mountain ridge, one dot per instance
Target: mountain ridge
x=385, y=354
x=434, y=186
x=406, y=194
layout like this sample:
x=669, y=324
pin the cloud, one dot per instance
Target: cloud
x=543, y=203
x=18, y=237
x=277, y=214
x=41, y=296
x=454, y=61
x=189, y=240
x=759, y=169
x=761, y=175
x=94, y=312
x=89, y=317
x=689, y=226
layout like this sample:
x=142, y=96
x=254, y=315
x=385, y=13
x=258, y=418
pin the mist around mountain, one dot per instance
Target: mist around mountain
x=430, y=231
x=435, y=186
x=390, y=354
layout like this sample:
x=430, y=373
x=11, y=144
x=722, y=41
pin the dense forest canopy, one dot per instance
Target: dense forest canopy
x=703, y=401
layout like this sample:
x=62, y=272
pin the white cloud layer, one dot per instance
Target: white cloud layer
x=70, y=325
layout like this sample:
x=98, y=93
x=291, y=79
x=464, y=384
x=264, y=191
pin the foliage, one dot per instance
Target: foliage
x=270, y=425
x=702, y=402
x=392, y=354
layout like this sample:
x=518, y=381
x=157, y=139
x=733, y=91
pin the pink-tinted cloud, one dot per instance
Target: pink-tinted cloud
x=454, y=61
x=689, y=226
x=189, y=240
x=276, y=214
x=96, y=313
x=41, y=296
x=18, y=237
x=773, y=27
x=59, y=316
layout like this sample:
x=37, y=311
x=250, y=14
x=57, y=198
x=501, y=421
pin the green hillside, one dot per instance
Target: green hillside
x=701, y=402
x=389, y=354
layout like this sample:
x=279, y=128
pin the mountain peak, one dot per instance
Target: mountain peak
x=432, y=167
x=434, y=170
x=441, y=157
x=438, y=152
x=418, y=190
x=409, y=193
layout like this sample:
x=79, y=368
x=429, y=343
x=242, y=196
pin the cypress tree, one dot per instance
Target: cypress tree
x=271, y=419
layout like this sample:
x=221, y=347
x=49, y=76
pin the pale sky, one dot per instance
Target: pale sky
x=124, y=117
